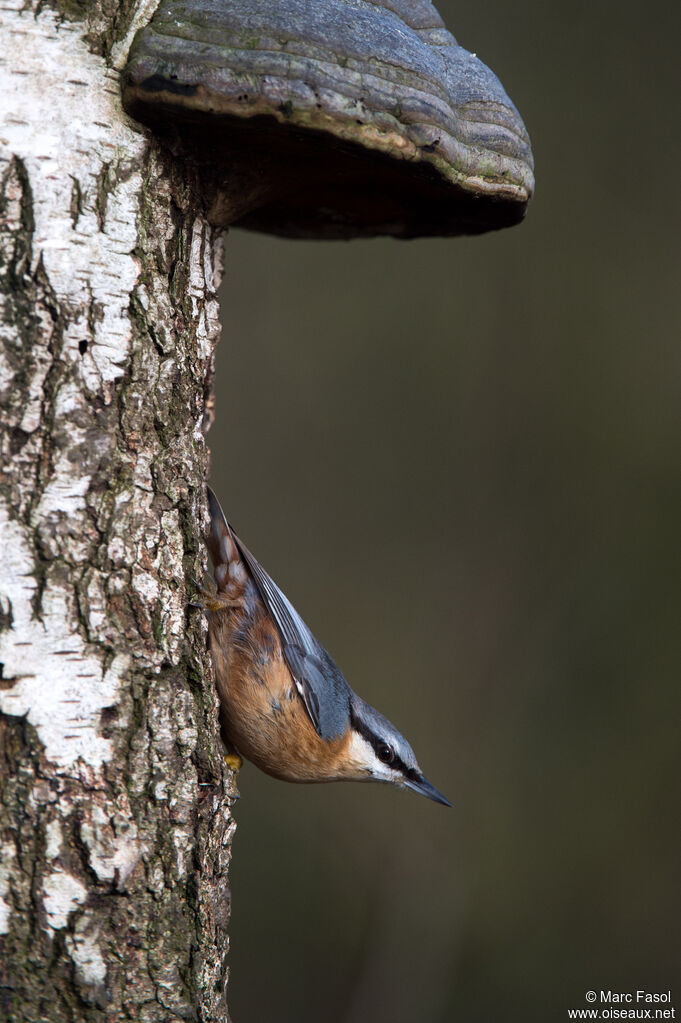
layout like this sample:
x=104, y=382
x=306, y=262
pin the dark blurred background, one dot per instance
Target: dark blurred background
x=461, y=461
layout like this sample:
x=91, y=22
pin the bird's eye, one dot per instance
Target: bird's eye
x=385, y=753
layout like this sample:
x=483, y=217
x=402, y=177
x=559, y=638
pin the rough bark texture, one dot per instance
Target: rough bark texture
x=115, y=823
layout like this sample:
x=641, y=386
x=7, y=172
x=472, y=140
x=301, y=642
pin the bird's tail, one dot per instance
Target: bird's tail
x=229, y=570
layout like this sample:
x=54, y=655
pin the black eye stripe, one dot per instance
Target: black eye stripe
x=376, y=743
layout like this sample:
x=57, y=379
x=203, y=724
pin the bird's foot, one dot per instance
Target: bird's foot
x=212, y=599
x=234, y=761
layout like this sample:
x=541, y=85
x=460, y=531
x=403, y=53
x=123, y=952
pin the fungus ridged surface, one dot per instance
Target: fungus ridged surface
x=332, y=118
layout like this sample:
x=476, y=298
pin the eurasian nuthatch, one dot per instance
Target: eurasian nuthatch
x=285, y=705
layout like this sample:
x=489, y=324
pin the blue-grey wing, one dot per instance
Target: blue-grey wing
x=319, y=681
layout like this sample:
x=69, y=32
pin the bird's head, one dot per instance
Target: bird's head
x=381, y=753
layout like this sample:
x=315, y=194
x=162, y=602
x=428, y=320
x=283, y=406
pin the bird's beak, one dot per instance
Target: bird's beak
x=420, y=785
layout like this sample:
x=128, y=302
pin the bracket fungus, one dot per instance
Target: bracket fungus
x=331, y=118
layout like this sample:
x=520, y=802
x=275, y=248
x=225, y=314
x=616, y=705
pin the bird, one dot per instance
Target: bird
x=284, y=703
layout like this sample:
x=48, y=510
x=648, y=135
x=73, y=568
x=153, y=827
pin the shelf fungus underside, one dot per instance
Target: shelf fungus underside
x=332, y=118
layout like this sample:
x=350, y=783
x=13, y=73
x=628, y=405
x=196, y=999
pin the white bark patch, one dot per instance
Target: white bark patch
x=57, y=684
x=65, y=492
x=53, y=839
x=47, y=76
x=83, y=948
x=7, y=857
x=144, y=13
x=62, y=893
x=204, y=278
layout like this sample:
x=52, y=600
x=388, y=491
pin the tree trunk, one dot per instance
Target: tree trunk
x=115, y=823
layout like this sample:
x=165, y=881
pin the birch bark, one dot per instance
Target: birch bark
x=115, y=823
